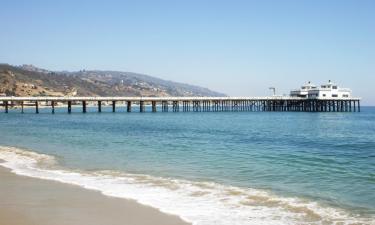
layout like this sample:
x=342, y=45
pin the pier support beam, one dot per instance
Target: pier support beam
x=341, y=106
x=225, y=106
x=100, y=106
x=164, y=106
x=350, y=106
x=153, y=103
x=53, y=106
x=216, y=106
x=185, y=106
x=36, y=107
x=197, y=106
x=113, y=106
x=84, y=106
x=69, y=106
x=176, y=106
x=235, y=105
x=6, y=106
x=359, y=106
x=129, y=106
x=141, y=106
x=21, y=106
x=206, y=105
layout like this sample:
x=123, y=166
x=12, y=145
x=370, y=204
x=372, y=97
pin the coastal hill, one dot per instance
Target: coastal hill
x=28, y=80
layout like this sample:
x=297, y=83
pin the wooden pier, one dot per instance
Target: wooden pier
x=194, y=104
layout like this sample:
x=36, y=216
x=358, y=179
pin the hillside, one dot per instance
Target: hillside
x=28, y=80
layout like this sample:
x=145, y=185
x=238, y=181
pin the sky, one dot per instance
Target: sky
x=240, y=48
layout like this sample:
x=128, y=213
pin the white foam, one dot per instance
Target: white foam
x=201, y=203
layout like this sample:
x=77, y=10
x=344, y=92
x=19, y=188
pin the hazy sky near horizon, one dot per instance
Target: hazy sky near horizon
x=235, y=47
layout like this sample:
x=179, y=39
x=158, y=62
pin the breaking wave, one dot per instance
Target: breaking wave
x=200, y=203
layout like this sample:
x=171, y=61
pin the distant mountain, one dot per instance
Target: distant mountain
x=28, y=80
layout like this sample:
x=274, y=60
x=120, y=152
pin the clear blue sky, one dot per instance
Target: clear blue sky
x=236, y=47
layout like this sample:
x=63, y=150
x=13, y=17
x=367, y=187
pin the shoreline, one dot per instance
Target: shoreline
x=28, y=201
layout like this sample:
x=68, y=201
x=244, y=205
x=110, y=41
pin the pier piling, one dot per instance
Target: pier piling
x=141, y=106
x=113, y=106
x=84, y=106
x=129, y=106
x=69, y=106
x=196, y=106
x=185, y=106
x=175, y=106
x=358, y=106
x=6, y=106
x=100, y=106
x=53, y=106
x=153, y=103
x=36, y=107
x=164, y=106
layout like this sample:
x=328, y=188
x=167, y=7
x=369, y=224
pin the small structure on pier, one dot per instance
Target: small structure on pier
x=303, y=91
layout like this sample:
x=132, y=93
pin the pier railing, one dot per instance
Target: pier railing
x=196, y=104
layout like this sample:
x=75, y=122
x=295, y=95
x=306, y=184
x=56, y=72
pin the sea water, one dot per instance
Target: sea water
x=207, y=167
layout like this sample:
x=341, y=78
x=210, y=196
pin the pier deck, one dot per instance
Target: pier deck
x=196, y=104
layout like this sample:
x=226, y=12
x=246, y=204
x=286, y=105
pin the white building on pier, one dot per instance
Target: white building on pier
x=325, y=91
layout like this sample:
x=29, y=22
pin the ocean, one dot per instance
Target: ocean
x=207, y=167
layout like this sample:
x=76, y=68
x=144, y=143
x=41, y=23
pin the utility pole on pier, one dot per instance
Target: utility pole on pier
x=274, y=90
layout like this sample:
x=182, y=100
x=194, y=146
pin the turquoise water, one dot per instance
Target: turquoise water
x=325, y=158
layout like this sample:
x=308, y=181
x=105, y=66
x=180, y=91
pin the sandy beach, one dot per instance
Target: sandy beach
x=31, y=201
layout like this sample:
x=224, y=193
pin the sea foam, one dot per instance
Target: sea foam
x=200, y=203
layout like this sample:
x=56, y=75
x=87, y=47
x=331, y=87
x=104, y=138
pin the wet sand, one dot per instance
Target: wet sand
x=31, y=201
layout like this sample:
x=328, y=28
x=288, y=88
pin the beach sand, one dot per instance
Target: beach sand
x=31, y=201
